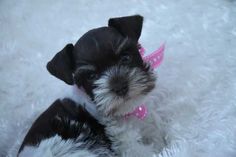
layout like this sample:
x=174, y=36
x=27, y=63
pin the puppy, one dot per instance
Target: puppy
x=106, y=63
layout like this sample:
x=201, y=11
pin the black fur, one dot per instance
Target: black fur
x=130, y=26
x=63, y=61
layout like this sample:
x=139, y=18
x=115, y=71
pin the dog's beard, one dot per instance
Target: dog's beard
x=140, y=83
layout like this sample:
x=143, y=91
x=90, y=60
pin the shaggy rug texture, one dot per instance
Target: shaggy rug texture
x=196, y=90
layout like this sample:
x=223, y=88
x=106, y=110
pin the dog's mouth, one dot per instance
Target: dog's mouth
x=120, y=90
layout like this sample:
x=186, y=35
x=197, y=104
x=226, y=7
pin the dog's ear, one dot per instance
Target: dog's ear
x=62, y=64
x=128, y=26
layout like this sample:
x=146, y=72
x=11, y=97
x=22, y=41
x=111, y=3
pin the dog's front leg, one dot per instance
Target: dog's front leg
x=126, y=142
x=153, y=132
x=136, y=150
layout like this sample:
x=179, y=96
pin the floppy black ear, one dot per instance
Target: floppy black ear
x=62, y=64
x=128, y=26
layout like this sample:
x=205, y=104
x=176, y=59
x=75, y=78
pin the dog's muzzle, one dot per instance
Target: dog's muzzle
x=119, y=85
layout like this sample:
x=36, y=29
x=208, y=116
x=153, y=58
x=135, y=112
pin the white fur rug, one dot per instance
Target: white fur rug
x=197, y=80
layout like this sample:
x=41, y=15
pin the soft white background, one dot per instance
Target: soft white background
x=197, y=80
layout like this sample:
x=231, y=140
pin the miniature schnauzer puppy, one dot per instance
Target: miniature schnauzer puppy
x=107, y=65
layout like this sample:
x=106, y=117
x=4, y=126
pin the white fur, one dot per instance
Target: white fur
x=56, y=147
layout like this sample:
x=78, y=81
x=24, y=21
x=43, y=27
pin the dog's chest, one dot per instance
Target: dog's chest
x=120, y=127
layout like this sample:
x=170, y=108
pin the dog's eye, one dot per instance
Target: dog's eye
x=126, y=59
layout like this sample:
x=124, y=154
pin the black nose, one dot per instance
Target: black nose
x=119, y=86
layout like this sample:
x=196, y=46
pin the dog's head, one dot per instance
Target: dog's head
x=107, y=64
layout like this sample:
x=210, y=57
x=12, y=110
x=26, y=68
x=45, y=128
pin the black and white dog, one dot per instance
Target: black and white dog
x=106, y=63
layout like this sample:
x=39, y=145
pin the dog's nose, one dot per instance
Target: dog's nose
x=120, y=87
x=120, y=90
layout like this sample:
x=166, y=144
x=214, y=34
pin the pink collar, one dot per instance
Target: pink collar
x=154, y=59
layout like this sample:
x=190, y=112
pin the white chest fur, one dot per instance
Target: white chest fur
x=133, y=137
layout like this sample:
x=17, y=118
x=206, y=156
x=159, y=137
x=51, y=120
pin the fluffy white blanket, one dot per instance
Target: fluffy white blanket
x=197, y=80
